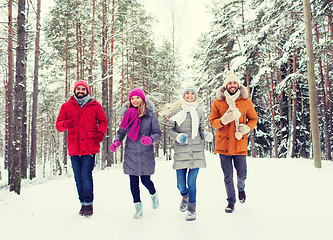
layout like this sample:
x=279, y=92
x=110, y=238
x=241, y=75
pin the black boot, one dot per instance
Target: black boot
x=241, y=196
x=230, y=208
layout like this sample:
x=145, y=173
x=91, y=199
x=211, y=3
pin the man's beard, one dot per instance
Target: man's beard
x=231, y=93
x=81, y=96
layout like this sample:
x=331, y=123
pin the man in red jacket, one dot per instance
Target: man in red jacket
x=86, y=123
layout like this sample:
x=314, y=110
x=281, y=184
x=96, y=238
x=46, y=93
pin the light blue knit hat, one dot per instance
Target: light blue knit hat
x=191, y=88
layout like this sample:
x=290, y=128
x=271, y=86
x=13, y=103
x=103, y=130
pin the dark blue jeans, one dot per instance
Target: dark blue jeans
x=135, y=190
x=241, y=168
x=191, y=187
x=82, y=168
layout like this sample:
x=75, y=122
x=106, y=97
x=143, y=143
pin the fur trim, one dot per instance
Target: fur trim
x=243, y=92
x=150, y=108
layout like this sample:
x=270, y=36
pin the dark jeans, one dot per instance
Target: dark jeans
x=82, y=167
x=191, y=187
x=241, y=168
x=134, y=182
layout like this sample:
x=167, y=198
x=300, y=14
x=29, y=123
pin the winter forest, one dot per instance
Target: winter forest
x=111, y=45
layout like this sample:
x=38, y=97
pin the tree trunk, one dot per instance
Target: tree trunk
x=110, y=113
x=15, y=183
x=329, y=98
x=90, y=77
x=64, y=146
x=294, y=111
x=312, y=85
x=78, y=62
x=252, y=135
x=271, y=106
x=35, y=99
x=281, y=109
x=104, y=81
x=24, y=137
x=323, y=106
x=10, y=117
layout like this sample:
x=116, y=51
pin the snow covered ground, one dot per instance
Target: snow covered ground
x=286, y=199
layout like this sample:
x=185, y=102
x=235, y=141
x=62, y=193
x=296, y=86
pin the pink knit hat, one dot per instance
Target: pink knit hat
x=137, y=92
x=83, y=83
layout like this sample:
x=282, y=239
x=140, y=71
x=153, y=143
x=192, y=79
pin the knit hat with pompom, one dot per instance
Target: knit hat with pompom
x=231, y=77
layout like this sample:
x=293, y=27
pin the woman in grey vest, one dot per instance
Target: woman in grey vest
x=186, y=127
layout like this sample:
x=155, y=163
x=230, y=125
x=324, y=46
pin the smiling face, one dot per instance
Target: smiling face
x=136, y=101
x=189, y=96
x=81, y=91
x=232, y=87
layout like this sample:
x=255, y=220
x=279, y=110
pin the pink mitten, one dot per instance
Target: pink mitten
x=146, y=140
x=114, y=145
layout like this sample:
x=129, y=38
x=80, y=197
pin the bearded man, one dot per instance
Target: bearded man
x=86, y=125
x=234, y=116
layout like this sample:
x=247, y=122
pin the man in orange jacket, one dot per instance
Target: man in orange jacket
x=234, y=116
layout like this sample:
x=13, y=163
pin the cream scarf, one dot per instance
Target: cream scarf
x=231, y=99
x=180, y=117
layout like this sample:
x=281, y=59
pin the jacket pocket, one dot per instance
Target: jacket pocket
x=73, y=143
x=93, y=146
x=242, y=144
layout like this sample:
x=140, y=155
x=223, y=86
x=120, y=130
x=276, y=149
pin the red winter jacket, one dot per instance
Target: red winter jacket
x=88, y=121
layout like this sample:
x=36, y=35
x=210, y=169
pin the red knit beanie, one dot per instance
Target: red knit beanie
x=137, y=92
x=83, y=83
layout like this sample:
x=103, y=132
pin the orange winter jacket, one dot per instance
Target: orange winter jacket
x=226, y=142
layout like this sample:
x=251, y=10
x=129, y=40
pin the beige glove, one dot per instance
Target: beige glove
x=243, y=128
x=230, y=115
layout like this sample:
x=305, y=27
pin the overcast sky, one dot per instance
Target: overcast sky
x=191, y=17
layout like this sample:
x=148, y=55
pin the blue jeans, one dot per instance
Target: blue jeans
x=241, y=168
x=135, y=190
x=82, y=168
x=191, y=187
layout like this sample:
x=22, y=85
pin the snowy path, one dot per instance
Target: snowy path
x=286, y=199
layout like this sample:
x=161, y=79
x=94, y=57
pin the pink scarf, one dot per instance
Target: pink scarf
x=131, y=116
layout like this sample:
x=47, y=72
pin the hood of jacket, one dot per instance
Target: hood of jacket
x=243, y=92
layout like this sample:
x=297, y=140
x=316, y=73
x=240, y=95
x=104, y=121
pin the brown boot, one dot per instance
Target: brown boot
x=83, y=208
x=88, y=211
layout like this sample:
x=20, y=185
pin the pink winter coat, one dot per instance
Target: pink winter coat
x=88, y=121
